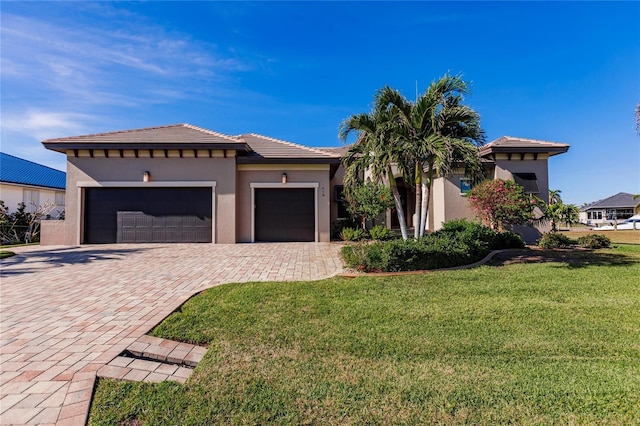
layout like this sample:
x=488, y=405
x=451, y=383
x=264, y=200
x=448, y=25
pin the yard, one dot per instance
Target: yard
x=551, y=342
x=619, y=237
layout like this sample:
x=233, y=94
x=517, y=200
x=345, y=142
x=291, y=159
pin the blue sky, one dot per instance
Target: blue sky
x=558, y=71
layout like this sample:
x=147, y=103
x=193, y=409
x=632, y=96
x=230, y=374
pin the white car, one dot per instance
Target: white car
x=632, y=223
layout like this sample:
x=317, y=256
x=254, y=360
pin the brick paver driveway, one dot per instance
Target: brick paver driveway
x=67, y=311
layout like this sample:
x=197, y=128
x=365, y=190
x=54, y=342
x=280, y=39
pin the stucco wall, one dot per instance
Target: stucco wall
x=505, y=169
x=456, y=205
x=52, y=232
x=221, y=170
x=248, y=174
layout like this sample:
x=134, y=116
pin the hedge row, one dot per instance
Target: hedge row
x=459, y=242
x=555, y=240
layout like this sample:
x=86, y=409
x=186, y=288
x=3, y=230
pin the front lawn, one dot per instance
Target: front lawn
x=624, y=236
x=556, y=342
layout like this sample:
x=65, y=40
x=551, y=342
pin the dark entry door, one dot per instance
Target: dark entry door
x=137, y=215
x=283, y=215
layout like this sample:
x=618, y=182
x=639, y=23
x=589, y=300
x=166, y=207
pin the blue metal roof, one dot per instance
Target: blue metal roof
x=19, y=171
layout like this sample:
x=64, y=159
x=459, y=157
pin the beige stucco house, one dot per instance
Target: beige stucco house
x=182, y=183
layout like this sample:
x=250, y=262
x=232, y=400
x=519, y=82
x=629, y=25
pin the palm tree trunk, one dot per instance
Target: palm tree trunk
x=398, y=202
x=426, y=196
x=418, y=206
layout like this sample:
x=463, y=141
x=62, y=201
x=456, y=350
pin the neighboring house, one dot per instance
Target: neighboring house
x=611, y=210
x=188, y=184
x=35, y=185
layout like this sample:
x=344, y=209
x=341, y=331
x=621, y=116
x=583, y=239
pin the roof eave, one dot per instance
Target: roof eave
x=288, y=160
x=32, y=185
x=523, y=150
x=64, y=146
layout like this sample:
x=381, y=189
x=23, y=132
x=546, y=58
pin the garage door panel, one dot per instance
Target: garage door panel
x=283, y=215
x=148, y=215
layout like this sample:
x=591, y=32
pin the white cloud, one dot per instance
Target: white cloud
x=45, y=124
x=75, y=59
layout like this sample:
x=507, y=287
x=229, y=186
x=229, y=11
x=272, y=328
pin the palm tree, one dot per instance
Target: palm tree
x=554, y=208
x=376, y=150
x=439, y=134
x=636, y=209
x=554, y=196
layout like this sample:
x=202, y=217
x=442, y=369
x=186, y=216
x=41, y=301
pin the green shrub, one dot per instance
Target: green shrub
x=554, y=240
x=354, y=256
x=434, y=251
x=352, y=234
x=478, y=237
x=459, y=242
x=381, y=233
x=339, y=225
x=594, y=241
x=507, y=240
x=368, y=257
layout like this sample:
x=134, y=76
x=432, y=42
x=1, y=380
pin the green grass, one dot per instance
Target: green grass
x=545, y=343
x=625, y=236
x=18, y=245
x=6, y=253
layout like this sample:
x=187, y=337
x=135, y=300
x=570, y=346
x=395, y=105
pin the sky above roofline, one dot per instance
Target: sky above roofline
x=564, y=72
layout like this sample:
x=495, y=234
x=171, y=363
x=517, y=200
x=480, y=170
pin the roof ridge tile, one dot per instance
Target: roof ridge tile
x=117, y=132
x=308, y=148
x=211, y=132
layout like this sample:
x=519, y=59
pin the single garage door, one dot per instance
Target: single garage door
x=147, y=215
x=283, y=215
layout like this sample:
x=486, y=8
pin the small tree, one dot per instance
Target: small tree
x=560, y=212
x=22, y=226
x=368, y=200
x=499, y=203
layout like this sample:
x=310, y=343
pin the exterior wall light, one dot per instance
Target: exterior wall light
x=146, y=177
x=284, y=178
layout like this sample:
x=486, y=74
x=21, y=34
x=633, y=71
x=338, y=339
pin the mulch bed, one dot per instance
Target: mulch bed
x=537, y=255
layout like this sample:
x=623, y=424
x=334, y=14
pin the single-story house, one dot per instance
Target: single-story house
x=182, y=183
x=35, y=185
x=613, y=209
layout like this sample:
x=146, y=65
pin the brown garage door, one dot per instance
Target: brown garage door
x=147, y=215
x=283, y=215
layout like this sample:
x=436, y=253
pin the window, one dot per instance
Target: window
x=597, y=215
x=31, y=199
x=59, y=198
x=340, y=201
x=465, y=186
x=624, y=213
x=528, y=181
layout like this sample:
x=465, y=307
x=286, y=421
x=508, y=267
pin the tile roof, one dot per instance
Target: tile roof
x=174, y=134
x=24, y=172
x=267, y=148
x=620, y=200
x=519, y=145
x=337, y=150
x=252, y=147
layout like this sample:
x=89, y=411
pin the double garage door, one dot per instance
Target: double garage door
x=181, y=215
x=148, y=215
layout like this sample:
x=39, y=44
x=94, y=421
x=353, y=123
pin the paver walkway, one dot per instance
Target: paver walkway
x=152, y=359
x=65, y=312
